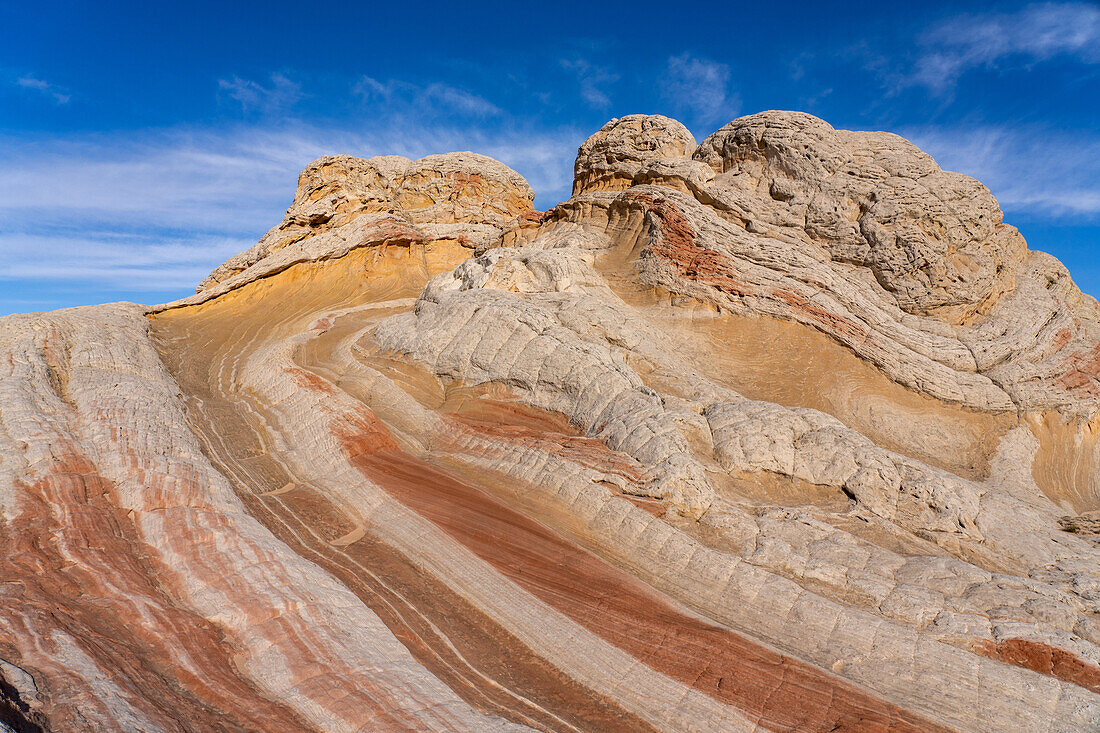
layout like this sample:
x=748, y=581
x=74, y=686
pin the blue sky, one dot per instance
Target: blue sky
x=142, y=144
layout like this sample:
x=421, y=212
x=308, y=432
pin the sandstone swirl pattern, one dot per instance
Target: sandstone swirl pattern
x=783, y=431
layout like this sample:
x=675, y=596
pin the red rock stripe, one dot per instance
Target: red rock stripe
x=414, y=605
x=482, y=662
x=780, y=692
x=73, y=561
x=1044, y=659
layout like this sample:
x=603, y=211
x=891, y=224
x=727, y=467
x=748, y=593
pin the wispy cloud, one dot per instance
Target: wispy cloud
x=104, y=260
x=425, y=99
x=281, y=94
x=1031, y=170
x=1035, y=33
x=700, y=89
x=159, y=210
x=54, y=92
x=593, y=80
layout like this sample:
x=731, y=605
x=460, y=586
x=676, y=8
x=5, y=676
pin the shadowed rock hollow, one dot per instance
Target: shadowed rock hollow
x=784, y=430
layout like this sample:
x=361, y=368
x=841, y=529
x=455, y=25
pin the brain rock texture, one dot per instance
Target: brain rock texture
x=786, y=430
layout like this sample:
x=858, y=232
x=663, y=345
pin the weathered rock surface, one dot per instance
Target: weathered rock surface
x=461, y=196
x=612, y=157
x=933, y=239
x=786, y=430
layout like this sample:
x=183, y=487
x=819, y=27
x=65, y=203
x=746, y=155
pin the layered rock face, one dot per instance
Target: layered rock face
x=783, y=431
x=465, y=197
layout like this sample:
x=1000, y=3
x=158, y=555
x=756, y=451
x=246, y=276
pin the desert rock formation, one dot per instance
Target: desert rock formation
x=787, y=430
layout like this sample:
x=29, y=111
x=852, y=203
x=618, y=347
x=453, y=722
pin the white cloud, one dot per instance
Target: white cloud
x=593, y=79
x=56, y=93
x=1030, y=169
x=700, y=89
x=104, y=261
x=1035, y=33
x=160, y=209
x=435, y=97
x=281, y=94
x=460, y=100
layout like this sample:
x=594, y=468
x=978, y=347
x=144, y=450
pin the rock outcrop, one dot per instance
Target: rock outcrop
x=621, y=149
x=933, y=239
x=787, y=430
x=461, y=196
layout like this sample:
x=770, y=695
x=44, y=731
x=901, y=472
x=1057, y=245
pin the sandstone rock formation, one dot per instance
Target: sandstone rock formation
x=461, y=196
x=783, y=431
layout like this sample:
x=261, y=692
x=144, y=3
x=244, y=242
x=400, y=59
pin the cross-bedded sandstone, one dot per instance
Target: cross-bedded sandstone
x=786, y=430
